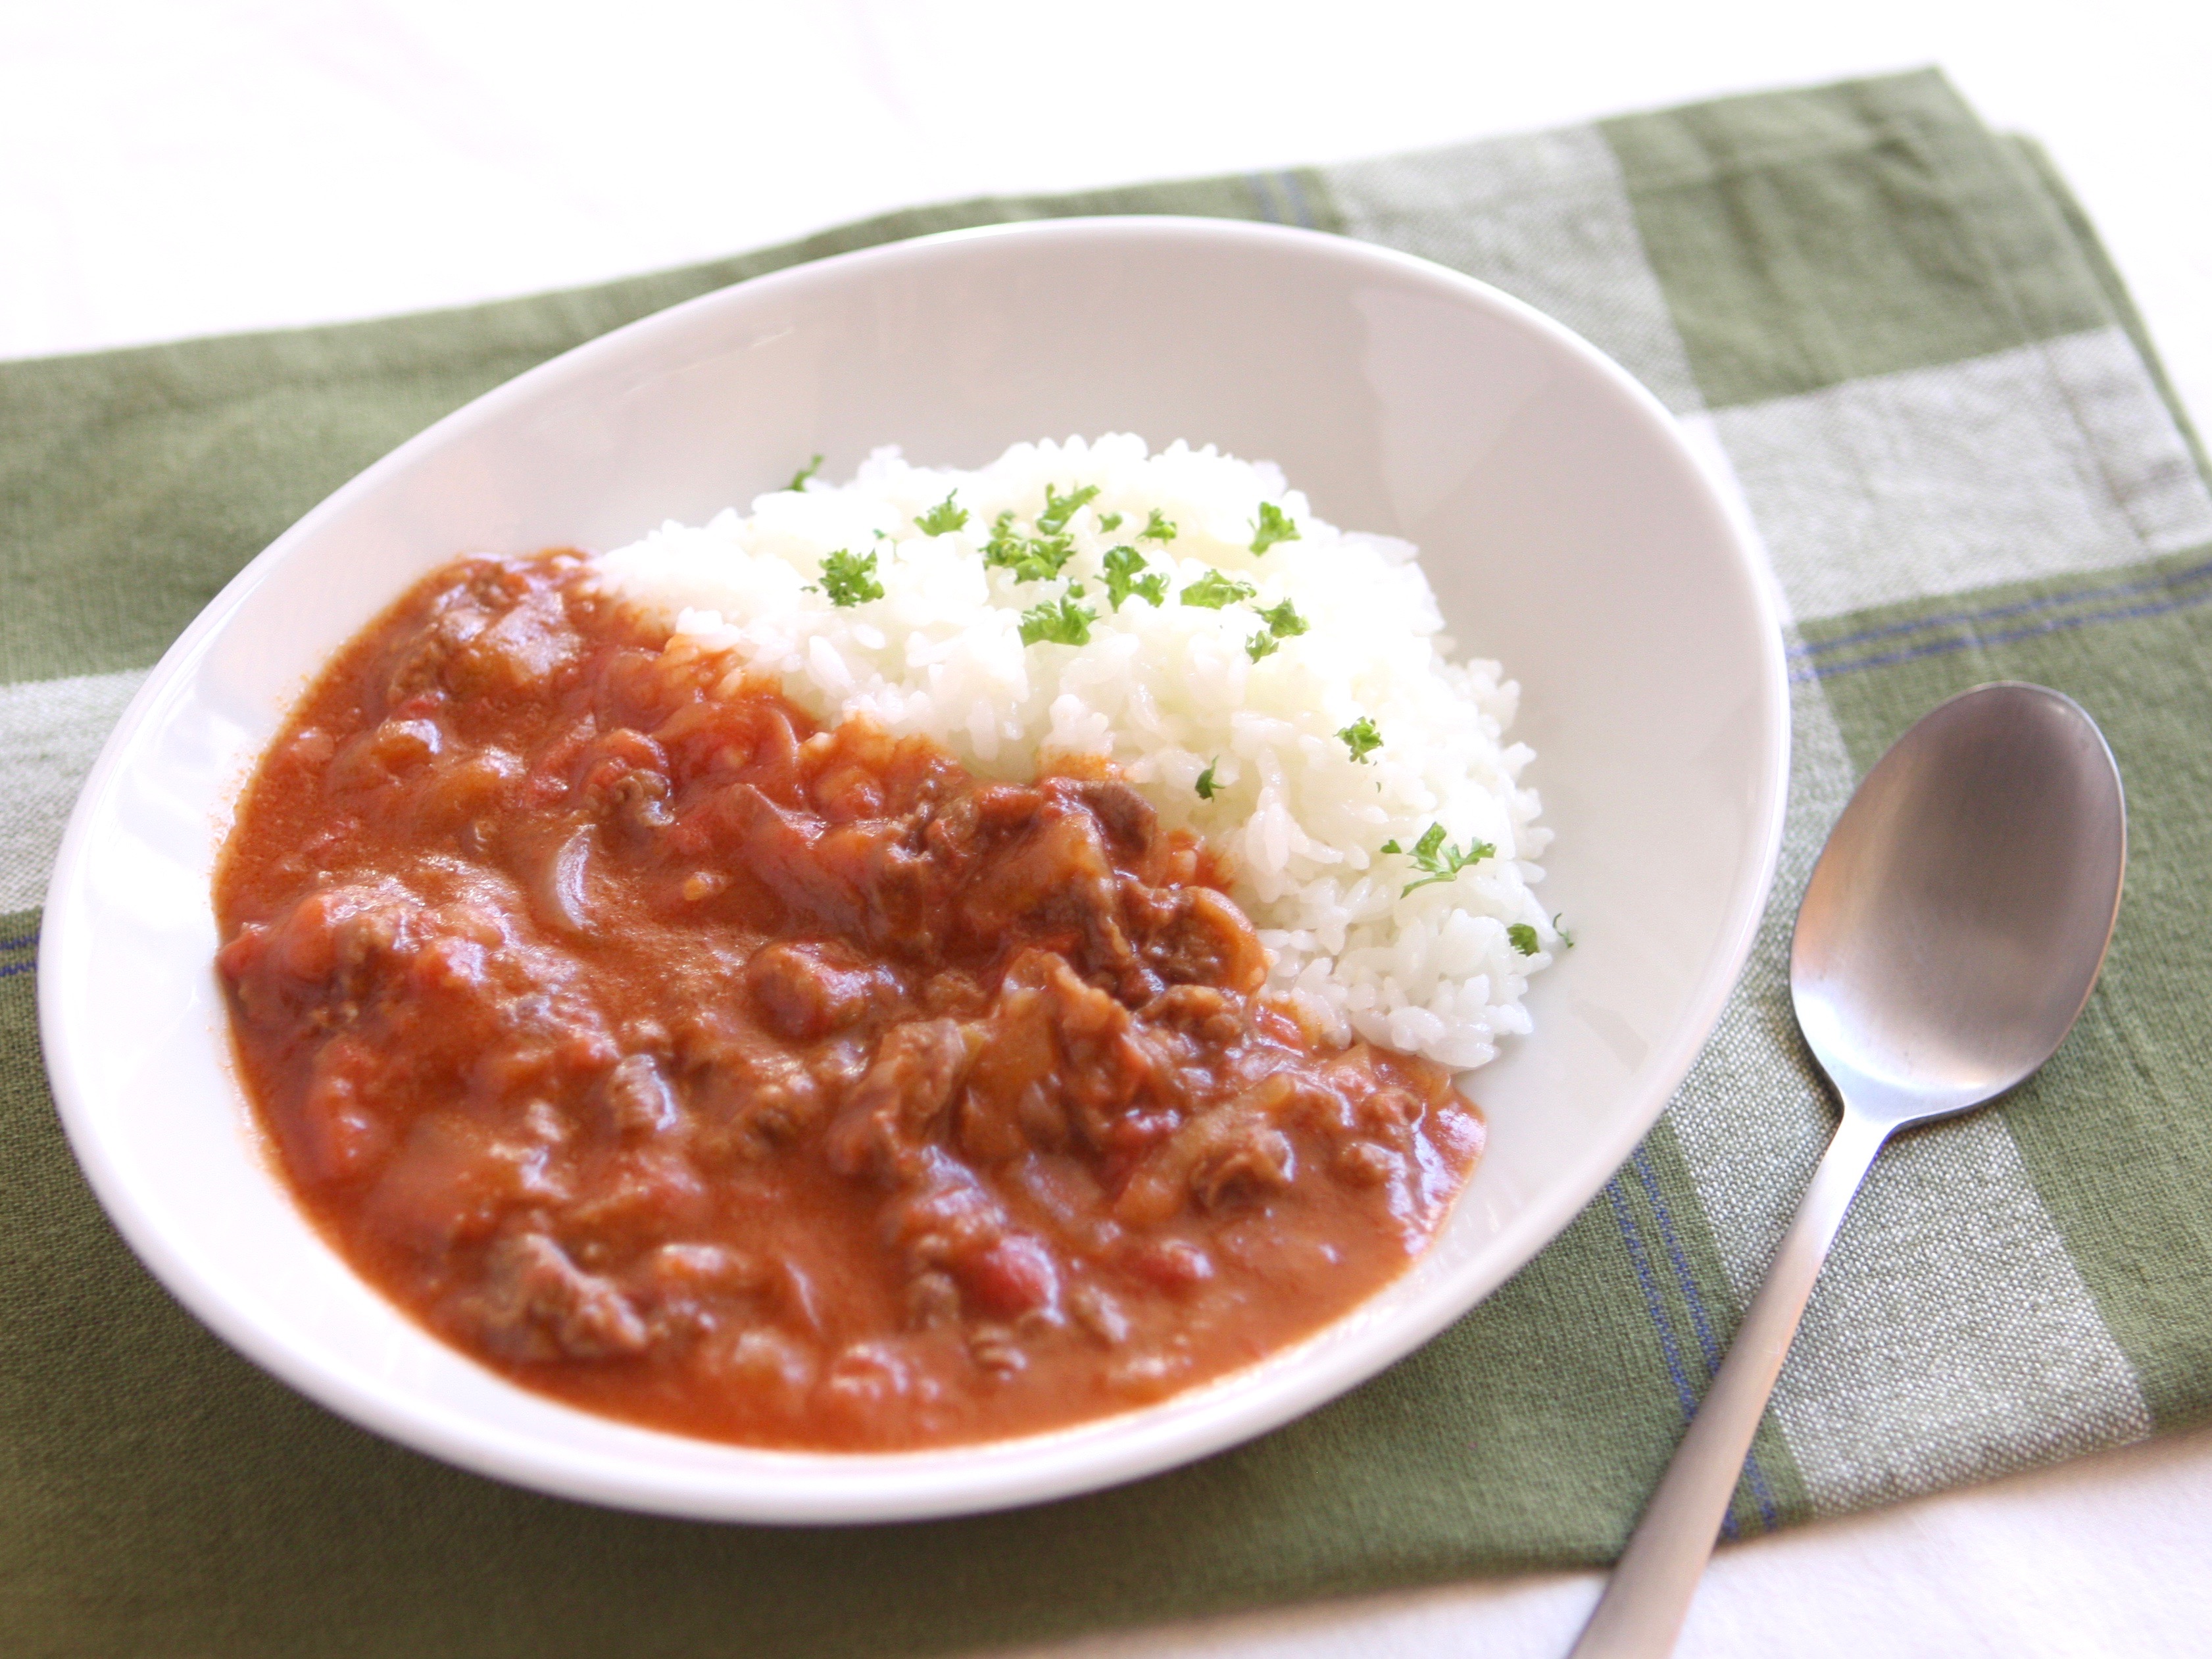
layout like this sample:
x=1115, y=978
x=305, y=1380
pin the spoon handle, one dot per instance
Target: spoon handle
x=1649, y=1594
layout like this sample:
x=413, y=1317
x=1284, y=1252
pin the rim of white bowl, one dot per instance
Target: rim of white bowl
x=817, y=1488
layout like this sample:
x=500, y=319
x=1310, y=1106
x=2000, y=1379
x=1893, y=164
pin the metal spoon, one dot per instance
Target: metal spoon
x=1947, y=943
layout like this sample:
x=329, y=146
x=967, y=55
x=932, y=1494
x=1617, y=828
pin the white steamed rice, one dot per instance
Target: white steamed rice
x=1164, y=692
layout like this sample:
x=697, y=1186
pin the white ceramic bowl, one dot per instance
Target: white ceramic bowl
x=1564, y=524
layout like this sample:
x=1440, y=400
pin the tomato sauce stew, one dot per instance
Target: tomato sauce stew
x=697, y=1066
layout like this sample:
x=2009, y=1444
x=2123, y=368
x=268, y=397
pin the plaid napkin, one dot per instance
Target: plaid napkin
x=1895, y=335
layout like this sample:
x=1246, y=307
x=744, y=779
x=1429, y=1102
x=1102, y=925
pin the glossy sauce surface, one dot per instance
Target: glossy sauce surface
x=775, y=1084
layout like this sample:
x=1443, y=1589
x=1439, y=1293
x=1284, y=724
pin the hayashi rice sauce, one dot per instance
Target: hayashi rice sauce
x=796, y=1087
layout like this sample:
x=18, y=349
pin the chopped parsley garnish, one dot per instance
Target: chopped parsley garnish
x=1109, y=521
x=1274, y=526
x=1157, y=528
x=942, y=519
x=1439, y=858
x=1523, y=937
x=1361, y=738
x=1205, y=785
x=1031, y=558
x=1213, y=590
x=1058, y=509
x=1565, y=938
x=1122, y=564
x=1058, y=621
x=798, y=478
x=849, y=580
x=1042, y=558
x=1282, y=620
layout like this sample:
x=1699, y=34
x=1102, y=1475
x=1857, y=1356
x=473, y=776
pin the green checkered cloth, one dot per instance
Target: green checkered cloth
x=1896, y=337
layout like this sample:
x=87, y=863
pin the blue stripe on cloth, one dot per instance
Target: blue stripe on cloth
x=18, y=943
x=1649, y=1179
x=1296, y=195
x=2172, y=580
x=2051, y=625
x=2190, y=586
x=1639, y=1258
x=1258, y=185
x=17, y=968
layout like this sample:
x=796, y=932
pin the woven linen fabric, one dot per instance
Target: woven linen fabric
x=1896, y=340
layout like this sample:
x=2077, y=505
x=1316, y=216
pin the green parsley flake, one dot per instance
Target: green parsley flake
x=1361, y=738
x=1274, y=526
x=942, y=519
x=849, y=580
x=1213, y=590
x=1157, y=528
x=1041, y=559
x=1061, y=621
x=798, y=478
x=1283, y=620
x=1261, y=644
x=1565, y=938
x=1122, y=564
x=1058, y=509
x=1523, y=937
x=1204, y=785
x=1031, y=558
x=1443, y=861
x=1109, y=521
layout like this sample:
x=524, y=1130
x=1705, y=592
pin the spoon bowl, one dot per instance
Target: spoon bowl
x=1959, y=916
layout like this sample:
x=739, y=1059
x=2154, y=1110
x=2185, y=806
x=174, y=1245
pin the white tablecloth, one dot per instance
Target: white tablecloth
x=173, y=169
